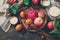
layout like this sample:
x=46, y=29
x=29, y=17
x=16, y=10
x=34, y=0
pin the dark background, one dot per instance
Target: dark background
x=12, y=34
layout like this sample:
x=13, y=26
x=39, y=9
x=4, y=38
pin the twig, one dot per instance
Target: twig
x=37, y=31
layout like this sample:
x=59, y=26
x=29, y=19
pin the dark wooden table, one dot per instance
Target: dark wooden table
x=12, y=34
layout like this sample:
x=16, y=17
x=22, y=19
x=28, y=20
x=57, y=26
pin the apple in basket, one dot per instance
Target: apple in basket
x=41, y=13
x=32, y=14
x=38, y=22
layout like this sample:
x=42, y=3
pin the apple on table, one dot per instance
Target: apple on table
x=36, y=2
x=50, y=25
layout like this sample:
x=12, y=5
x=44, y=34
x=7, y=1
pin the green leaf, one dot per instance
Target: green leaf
x=15, y=6
x=13, y=11
x=56, y=30
x=26, y=2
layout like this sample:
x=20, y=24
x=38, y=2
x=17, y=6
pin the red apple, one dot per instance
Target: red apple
x=50, y=25
x=41, y=13
x=12, y=1
x=32, y=14
x=38, y=22
x=36, y=2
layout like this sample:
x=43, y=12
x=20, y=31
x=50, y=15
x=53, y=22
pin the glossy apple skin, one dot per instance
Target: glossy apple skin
x=12, y=1
x=18, y=27
x=50, y=25
x=38, y=22
x=32, y=14
x=41, y=13
x=36, y=2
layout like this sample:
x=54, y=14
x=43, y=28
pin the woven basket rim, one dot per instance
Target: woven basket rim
x=44, y=23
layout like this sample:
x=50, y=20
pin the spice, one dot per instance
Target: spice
x=45, y=3
x=14, y=20
x=54, y=11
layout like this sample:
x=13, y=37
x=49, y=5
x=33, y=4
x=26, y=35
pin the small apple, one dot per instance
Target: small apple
x=32, y=14
x=41, y=13
x=22, y=14
x=28, y=21
x=50, y=25
x=12, y=1
x=38, y=22
x=18, y=27
x=36, y=2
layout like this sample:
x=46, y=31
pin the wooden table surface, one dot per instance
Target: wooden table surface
x=12, y=34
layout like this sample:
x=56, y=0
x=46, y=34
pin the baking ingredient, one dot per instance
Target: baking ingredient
x=45, y=3
x=2, y=20
x=54, y=11
x=28, y=21
x=36, y=2
x=4, y=23
x=4, y=7
x=14, y=20
x=18, y=27
x=1, y=2
x=32, y=14
x=12, y=1
x=50, y=25
x=38, y=22
x=41, y=13
x=22, y=14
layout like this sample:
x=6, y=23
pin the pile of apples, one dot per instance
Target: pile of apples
x=33, y=16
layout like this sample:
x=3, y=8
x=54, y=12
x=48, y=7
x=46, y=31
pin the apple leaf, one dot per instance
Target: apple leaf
x=56, y=27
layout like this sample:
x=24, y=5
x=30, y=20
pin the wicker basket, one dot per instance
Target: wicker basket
x=33, y=27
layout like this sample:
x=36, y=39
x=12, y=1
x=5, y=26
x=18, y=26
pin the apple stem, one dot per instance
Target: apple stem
x=39, y=20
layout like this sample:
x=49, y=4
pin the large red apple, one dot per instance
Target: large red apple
x=41, y=13
x=32, y=14
x=36, y=2
x=38, y=22
x=50, y=25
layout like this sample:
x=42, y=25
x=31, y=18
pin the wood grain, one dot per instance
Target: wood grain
x=58, y=0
